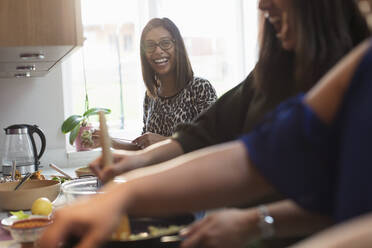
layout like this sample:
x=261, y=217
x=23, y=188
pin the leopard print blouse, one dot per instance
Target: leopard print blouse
x=161, y=115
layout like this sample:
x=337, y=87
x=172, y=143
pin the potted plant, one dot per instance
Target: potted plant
x=80, y=128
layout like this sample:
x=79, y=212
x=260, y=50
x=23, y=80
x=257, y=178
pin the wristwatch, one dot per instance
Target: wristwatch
x=266, y=222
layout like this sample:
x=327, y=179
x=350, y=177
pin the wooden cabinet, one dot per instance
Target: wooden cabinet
x=37, y=34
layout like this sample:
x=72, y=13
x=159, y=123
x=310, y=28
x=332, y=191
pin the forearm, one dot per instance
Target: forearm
x=289, y=220
x=124, y=145
x=159, y=152
x=325, y=98
x=292, y=220
x=213, y=177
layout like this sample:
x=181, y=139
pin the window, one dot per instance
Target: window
x=220, y=37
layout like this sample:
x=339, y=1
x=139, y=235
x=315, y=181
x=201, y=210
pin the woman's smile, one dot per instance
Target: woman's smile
x=276, y=12
x=161, y=62
x=275, y=20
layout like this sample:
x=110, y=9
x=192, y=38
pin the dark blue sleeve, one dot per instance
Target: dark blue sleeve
x=354, y=187
x=324, y=169
x=291, y=150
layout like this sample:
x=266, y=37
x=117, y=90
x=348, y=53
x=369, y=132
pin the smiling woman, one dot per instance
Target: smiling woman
x=303, y=39
x=218, y=52
x=174, y=96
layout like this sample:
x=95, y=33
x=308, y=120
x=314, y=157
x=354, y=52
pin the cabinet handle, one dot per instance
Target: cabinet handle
x=26, y=68
x=22, y=75
x=27, y=56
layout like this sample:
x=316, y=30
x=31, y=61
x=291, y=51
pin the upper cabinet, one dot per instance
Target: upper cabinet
x=37, y=34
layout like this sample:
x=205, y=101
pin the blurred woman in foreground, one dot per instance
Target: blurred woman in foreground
x=320, y=140
x=298, y=132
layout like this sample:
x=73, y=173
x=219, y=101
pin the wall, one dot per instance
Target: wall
x=37, y=101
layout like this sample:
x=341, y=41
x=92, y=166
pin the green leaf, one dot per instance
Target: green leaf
x=95, y=111
x=20, y=215
x=73, y=134
x=71, y=122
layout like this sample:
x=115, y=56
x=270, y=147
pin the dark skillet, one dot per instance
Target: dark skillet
x=139, y=225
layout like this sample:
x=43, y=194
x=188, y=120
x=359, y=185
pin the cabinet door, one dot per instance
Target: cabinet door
x=37, y=34
x=40, y=22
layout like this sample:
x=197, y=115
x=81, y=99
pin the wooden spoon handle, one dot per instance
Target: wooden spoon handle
x=24, y=179
x=105, y=141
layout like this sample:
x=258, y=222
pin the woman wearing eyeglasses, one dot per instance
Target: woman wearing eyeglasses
x=173, y=94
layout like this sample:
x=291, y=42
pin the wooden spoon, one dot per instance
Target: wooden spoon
x=105, y=142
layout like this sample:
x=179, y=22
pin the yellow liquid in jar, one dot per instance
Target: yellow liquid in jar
x=123, y=231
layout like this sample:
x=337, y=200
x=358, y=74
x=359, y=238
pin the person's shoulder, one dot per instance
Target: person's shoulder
x=366, y=50
x=200, y=82
x=246, y=87
x=149, y=98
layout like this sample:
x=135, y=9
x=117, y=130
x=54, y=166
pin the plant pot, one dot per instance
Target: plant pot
x=81, y=143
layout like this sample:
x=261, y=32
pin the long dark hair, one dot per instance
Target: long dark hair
x=184, y=72
x=325, y=31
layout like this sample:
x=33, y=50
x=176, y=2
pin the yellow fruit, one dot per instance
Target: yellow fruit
x=42, y=206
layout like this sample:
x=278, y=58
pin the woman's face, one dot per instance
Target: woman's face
x=160, y=51
x=276, y=11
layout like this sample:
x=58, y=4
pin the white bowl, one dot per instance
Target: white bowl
x=79, y=187
x=28, y=233
x=8, y=222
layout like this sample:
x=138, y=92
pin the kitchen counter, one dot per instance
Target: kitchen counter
x=5, y=238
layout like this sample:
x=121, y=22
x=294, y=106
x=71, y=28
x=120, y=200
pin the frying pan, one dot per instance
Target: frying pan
x=139, y=225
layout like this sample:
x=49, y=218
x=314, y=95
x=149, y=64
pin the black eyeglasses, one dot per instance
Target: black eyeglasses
x=150, y=46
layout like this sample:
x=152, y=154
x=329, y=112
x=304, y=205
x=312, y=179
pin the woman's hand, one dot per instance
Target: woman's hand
x=148, y=139
x=91, y=221
x=124, y=161
x=96, y=138
x=117, y=143
x=227, y=228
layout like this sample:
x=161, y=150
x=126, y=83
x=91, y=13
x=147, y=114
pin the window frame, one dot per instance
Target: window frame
x=150, y=9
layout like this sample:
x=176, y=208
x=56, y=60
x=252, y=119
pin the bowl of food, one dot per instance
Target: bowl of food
x=146, y=232
x=7, y=223
x=29, y=230
x=31, y=190
x=83, y=172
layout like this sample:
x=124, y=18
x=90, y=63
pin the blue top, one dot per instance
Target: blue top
x=327, y=169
